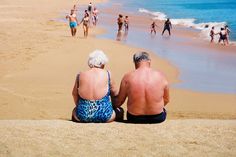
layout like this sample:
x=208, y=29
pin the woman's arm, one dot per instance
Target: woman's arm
x=75, y=93
x=113, y=90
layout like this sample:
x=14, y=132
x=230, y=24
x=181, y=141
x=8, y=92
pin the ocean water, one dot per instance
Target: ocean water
x=201, y=69
x=190, y=13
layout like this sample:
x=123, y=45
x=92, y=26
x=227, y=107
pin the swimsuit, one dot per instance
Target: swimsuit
x=142, y=119
x=73, y=24
x=85, y=21
x=223, y=35
x=95, y=110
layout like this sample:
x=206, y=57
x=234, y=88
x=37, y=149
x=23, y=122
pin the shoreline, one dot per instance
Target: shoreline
x=186, y=22
x=142, y=20
x=181, y=41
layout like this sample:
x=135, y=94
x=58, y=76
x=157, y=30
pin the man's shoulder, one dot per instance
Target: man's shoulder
x=128, y=75
x=158, y=73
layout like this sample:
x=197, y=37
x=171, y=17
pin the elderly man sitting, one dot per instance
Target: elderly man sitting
x=147, y=91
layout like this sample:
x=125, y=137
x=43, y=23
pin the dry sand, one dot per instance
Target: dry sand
x=38, y=64
x=67, y=139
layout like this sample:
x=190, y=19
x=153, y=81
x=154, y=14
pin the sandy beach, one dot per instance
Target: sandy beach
x=39, y=61
x=171, y=139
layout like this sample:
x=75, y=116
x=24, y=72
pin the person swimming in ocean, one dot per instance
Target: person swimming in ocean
x=153, y=27
x=212, y=34
x=167, y=26
x=72, y=22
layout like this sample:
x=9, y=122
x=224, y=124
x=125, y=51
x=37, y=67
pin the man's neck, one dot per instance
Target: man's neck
x=142, y=64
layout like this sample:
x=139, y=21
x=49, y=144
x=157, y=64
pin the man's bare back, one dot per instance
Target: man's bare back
x=147, y=90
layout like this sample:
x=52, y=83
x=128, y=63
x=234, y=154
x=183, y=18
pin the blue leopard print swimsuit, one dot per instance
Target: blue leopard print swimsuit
x=95, y=110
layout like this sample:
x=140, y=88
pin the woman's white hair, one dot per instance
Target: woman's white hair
x=97, y=59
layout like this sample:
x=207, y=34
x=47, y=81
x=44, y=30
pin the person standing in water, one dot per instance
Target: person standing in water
x=72, y=22
x=126, y=23
x=153, y=27
x=227, y=33
x=212, y=34
x=120, y=22
x=167, y=26
x=223, y=36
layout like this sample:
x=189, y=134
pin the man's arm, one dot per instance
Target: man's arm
x=122, y=93
x=166, y=95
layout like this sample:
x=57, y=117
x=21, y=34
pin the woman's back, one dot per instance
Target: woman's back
x=93, y=84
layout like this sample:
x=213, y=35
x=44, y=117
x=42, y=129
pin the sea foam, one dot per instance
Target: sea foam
x=187, y=22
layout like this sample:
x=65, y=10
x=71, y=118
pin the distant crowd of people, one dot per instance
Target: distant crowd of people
x=223, y=35
x=167, y=26
x=124, y=22
x=90, y=14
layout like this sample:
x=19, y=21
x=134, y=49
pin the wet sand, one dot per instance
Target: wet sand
x=185, y=49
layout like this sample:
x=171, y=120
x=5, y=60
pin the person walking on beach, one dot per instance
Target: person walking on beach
x=85, y=22
x=120, y=22
x=93, y=91
x=227, y=33
x=126, y=23
x=212, y=34
x=167, y=26
x=153, y=27
x=75, y=8
x=95, y=16
x=90, y=8
x=147, y=91
x=72, y=22
x=223, y=36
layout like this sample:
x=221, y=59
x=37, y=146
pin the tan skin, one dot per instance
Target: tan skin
x=93, y=85
x=85, y=21
x=147, y=90
x=72, y=19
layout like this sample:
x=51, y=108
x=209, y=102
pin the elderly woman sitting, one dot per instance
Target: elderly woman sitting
x=92, y=91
